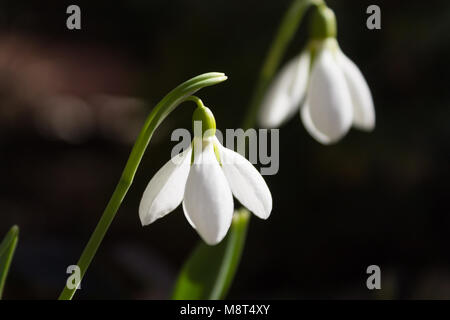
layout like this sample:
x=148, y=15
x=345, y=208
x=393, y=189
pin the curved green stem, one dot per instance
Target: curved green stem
x=158, y=114
x=196, y=100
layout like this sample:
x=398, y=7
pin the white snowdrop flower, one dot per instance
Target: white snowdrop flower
x=204, y=179
x=327, y=87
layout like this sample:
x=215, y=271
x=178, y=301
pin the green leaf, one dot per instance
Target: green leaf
x=7, y=248
x=209, y=271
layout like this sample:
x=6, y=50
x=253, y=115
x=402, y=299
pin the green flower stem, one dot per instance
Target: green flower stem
x=286, y=32
x=233, y=251
x=196, y=100
x=158, y=114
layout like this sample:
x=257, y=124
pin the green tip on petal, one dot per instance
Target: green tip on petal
x=204, y=115
x=323, y=23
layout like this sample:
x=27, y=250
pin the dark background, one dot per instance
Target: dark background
x=71, y=103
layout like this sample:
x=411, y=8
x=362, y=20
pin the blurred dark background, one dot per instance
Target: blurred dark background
x=72, y=102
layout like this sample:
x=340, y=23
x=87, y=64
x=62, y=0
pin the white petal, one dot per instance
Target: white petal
x=166, y=189
x=208, y=202
x=284, y=95
x=310, y=127
x=363, y=110
x=246, y=183
x=328, y=97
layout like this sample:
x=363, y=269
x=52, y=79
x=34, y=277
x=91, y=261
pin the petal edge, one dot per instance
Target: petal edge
x=165, y=190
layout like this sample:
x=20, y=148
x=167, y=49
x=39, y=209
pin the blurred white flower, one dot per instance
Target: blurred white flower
x=325, y=84
x=206, y=183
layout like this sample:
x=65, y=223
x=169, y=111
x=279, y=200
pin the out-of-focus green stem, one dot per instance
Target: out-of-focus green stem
x=284, y=35
x=232, y=255
x=158, y=114
x=209, y=271
x=286, y=32
x=215, y=282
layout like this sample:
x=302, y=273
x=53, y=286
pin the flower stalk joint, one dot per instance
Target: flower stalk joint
x=204, y=115
x=323, y=23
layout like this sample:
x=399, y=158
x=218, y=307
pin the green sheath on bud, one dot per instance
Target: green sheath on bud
x=206, y=117
x=323, y=23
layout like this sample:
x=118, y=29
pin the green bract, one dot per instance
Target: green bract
x=204, y=115
x=315, y=45
x=323, y=23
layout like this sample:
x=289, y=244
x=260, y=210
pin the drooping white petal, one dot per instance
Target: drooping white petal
x=246, y=183
x=328, y=97
x=165, y=190
x=363, y=110
x=208, y=202
x=284, y=95
x=310, y=127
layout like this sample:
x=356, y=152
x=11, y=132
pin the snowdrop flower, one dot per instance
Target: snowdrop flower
x=324, y=83
x=204, y=178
